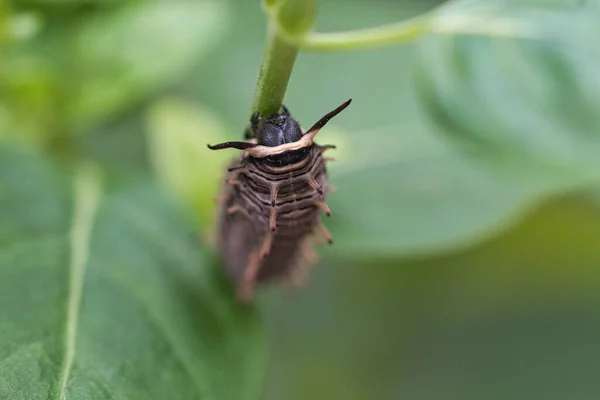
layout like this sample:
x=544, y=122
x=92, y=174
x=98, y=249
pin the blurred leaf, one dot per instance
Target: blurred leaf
x=407, y=194
x=517, y=79
x=27, y=109
x=129, y=52
x=30, y=110
x=178, y=132
x=104, y=296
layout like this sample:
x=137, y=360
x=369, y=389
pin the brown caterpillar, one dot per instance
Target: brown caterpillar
x=271, y=201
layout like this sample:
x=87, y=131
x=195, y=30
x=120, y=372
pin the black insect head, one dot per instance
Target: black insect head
x=276, y=130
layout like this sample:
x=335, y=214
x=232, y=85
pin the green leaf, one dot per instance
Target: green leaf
x=178, y=132
x=127, y=53
x=483, y=76
x=517, y=80
x=104, y=295
x=409, y=194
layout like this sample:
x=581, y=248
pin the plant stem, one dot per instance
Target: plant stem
x=274, y=74
x=368, y=38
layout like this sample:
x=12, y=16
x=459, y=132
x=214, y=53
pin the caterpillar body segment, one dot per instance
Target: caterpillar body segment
x=273, y=197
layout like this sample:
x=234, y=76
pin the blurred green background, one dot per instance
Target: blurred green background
x=450, y=277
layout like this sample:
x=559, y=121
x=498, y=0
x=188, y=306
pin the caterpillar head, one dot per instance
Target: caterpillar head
x=277, y=130
x=279, y=138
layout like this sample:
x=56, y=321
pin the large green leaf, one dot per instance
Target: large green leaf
x=407, y=194
x=103, y=295
x=519, y=77
x=517, y=80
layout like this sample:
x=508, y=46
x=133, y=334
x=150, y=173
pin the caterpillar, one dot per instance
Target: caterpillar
x=271, y=201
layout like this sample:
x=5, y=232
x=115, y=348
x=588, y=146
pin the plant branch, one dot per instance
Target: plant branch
x=275, y=71
x=288, y=31
x=368, y=38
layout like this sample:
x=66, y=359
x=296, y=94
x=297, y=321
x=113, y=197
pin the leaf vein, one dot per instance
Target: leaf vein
x=87, y=196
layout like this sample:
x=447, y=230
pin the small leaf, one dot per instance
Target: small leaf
x=178, y=132
x=126, y=53
x=517, y=80
x=104, y=295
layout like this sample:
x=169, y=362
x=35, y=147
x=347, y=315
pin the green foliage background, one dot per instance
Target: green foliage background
x=465, y=263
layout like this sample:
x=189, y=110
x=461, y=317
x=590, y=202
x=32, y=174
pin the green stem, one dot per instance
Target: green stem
x=287, y=35
x=368, y=38
x=275, y=71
